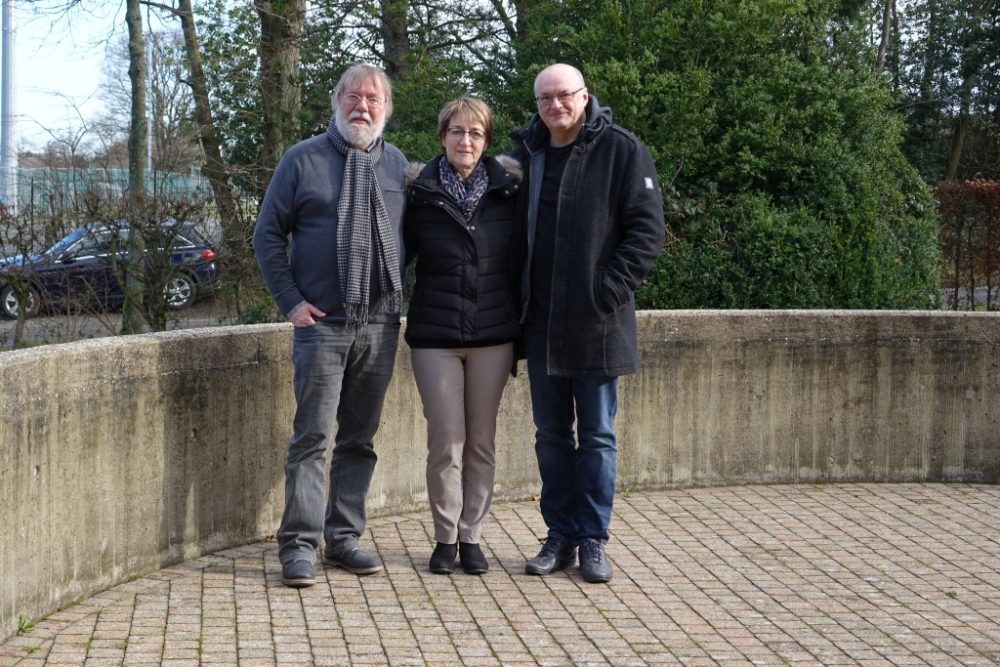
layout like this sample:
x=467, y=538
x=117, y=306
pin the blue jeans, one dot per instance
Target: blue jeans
x=341, y=374
x=578, y=478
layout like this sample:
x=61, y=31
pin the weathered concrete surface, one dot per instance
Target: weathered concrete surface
x=730, y=397
x=120, y=456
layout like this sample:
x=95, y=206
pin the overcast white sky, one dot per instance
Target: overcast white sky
x=59, y=59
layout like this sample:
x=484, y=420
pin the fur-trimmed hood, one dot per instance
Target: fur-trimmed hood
x=511, y=165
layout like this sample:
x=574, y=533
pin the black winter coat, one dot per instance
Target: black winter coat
x=609, y=232
x=466, y=272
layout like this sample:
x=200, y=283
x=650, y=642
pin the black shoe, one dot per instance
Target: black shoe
x=355, y=561
x=298, y=574
x=472, y=558
x=557, y=553
x=594, y=565
x=443, y=558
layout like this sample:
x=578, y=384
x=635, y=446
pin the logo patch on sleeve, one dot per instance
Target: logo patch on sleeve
x=649, y=183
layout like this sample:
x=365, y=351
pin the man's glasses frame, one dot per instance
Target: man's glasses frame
x=354, y=100
x=564, y=97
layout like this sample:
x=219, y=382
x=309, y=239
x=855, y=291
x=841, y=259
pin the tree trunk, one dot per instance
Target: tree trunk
x=281, y=23
x=214, y=169
x=508, y=22
x=887, y=23
x=135, y=269
x=894, y=58
x=523, y=39
x=138, y=130
x=931, y=53
x=394, y=37
x=958, y=138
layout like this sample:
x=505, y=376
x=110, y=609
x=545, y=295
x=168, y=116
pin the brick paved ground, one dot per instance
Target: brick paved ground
x=904, y=574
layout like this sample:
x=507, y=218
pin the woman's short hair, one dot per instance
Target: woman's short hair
x=472, y=107
x=363, y=72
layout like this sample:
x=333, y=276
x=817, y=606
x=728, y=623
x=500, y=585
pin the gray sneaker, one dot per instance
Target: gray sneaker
x=594, y=565
x=355, y=561
x=298, y=574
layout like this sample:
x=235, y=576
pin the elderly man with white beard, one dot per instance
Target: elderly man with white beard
x=339, y=198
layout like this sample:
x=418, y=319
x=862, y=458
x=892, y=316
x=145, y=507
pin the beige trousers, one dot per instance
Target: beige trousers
x=461, y=390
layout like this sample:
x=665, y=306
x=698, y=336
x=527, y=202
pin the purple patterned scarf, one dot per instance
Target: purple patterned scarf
x=465, y=193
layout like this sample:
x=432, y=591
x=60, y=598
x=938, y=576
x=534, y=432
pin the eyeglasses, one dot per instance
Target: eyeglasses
x=354, y=99
x=563, y=97
x=456, y=133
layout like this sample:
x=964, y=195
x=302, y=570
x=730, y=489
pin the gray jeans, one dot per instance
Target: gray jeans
x=341, y=374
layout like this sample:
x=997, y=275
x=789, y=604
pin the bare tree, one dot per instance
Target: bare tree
x=57, y=192
x=17, y=296
x=137, y=92
x=885, y=43
x=172, y=130
x=215, y=167
x=131, y=322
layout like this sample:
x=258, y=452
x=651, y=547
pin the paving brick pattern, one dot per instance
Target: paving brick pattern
x=900, y=574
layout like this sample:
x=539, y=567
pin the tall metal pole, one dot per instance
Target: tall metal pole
x=8, y=111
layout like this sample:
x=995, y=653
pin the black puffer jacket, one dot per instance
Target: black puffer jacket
x=467, y=272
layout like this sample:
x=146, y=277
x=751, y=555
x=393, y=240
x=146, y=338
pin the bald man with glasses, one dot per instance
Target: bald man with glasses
x=594, y=228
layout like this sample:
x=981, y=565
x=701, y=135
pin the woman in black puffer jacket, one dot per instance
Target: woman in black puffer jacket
x=461, y=226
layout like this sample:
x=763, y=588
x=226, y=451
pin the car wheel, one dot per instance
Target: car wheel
x=179, y=291
x=10, y=306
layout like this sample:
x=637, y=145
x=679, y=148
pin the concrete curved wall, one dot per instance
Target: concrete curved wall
x=119, y=456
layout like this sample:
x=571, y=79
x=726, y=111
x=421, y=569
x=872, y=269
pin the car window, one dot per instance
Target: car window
x=64, y=244
x=180, y=241
x=92, y=244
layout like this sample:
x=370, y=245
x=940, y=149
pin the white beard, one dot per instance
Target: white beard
x=357, y=135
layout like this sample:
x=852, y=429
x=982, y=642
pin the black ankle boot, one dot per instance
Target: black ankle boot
x=472, y=558
x=443, y=558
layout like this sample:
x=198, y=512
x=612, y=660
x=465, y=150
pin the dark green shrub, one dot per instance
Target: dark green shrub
x=778, y=150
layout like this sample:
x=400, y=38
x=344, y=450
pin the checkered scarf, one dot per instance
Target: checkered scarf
x=362, y=219
x=466, y=193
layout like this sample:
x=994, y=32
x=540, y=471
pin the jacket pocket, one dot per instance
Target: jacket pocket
x=606, y=298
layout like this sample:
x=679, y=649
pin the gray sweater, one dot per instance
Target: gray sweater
x=301, y=204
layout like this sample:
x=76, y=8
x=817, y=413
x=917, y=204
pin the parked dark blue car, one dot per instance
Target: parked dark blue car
x=86, y=265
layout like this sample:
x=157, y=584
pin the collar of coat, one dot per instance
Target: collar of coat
x=500, y=169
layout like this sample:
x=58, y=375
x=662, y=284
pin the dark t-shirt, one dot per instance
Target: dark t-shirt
x=543, y=255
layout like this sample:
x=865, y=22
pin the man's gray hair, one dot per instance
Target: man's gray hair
x=363, y=72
